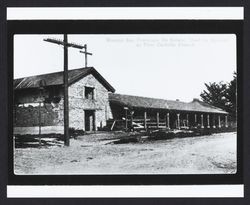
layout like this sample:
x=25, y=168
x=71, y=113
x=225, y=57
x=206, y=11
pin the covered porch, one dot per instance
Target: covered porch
x=132, y=112
x=133, y=119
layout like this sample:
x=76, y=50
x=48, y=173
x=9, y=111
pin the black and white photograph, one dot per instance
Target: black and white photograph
x=106, y=104
x=126, y=102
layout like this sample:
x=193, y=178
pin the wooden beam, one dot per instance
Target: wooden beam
x=86, y=53
x=113, y=125
x=94, y=121
x=126, y=119
x=66, y=92
x=219, y=124
x=214, y=126
x=226, y=121
x=40, y=122
x=178, y=121
x=208, y=121
x=145, y=120
x=131, y=118
x=195, y=120
x=64, y=43
x=202, y=125
x=157, y=119
x=167, y=121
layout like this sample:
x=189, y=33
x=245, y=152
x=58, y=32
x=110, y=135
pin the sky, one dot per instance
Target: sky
x=167, y=66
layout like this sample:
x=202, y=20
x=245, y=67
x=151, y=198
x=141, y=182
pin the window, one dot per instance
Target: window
x=89, y=93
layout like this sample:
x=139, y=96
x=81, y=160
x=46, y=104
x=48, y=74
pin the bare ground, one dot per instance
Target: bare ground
x=94, y=154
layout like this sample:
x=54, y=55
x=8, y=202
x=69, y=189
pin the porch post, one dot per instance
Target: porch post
x=126, y=118
x=219, y=125
x=202, y=126
x=168, y=121
x=195, y=120
x=131, y=118
x=145, y=120
x=157, y=119
x=94, y=121
x=187, y=121
x=83, y=117
x=226, y=122
x=178, y=121
x=214, y=121
x=208, y=123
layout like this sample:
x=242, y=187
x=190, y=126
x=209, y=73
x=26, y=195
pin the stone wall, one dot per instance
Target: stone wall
x=27, y=114
x=78, y=103
x=26, y=110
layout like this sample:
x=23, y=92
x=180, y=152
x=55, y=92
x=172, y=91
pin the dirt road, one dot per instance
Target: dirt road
x=91, y=154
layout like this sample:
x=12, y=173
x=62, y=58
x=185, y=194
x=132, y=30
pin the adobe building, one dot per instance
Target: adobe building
x=38, y=101
x=88, y=101
x=169, y=114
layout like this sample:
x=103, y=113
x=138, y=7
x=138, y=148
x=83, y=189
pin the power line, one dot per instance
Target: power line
x=65, y=45
x=60, y=42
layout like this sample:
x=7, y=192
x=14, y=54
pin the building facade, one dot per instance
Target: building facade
x=143, y=112
x=42, y=105
x=38, y=102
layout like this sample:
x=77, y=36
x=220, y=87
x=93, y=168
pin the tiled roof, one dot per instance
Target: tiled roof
x=53, y=79
x=154, y=103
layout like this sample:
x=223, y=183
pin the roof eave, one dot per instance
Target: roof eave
x=98, y=75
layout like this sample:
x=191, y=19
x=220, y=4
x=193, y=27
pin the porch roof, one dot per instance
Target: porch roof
x=154, y=103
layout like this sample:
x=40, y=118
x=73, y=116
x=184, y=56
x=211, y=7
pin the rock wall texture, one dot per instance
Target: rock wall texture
x=78, y=103
x=27, y=114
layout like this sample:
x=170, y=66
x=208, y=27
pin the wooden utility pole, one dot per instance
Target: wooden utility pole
x=86, y=55
x=39, y=116
x=66, y=91
x=65, y=81
x=42, y=85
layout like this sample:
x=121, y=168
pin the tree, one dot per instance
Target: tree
x=222, y=95
x=231, y=96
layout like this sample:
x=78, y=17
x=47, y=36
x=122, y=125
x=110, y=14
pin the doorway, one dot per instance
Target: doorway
x=89, y=120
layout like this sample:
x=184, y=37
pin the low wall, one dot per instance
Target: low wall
x=35, y=130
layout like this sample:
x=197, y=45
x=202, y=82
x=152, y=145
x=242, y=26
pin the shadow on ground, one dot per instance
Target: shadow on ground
x=118, y=137
x=34, y=141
